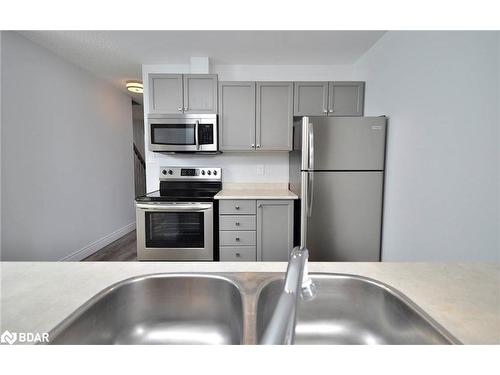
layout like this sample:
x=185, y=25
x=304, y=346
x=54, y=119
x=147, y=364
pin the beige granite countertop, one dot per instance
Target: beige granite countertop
x=463, y=297
x=255, y=191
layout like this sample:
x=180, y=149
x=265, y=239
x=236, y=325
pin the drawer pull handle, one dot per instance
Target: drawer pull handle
x=237, y=207
x=238, y=254
x=237, y=238
x=237, y=223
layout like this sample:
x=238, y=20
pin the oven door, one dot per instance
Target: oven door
x=175, y=231
x=180, y=134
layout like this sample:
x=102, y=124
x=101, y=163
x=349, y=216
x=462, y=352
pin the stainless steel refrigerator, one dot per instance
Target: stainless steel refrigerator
x=337, y=168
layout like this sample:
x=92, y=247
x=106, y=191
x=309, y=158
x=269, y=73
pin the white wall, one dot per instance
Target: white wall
x=239, y=166
x=498, y=121
x=67, y=161
x=441, y=93
x=0, y=143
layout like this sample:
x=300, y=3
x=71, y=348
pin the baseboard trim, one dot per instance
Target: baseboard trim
x=99, y=244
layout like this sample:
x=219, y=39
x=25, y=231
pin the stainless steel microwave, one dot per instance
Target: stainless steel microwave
x=183, y=133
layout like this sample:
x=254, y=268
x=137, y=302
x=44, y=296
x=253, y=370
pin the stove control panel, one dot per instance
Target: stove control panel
x=188, y=173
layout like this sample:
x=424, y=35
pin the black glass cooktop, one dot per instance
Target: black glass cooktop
x=182, y=191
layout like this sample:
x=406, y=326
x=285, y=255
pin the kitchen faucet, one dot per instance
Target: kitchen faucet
x=281, y=327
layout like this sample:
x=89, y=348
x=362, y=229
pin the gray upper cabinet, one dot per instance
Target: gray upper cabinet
x=200, y=93
x=182, y=93
x=165, y=93
x=274, y=116
x=310, y=99
x=237, y=116
x=346, y=98
x=274, y=230
x=340, y=98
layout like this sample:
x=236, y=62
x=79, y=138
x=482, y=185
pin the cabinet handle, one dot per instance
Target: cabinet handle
x=331, y=110
x=259, y=206
x=185, y=108
x=179, y=109
x=237, y=238
x=238, y=254
x=325, y=111
x=252, y=145
x=237, y=207
x=258, y=146
x=237, y=223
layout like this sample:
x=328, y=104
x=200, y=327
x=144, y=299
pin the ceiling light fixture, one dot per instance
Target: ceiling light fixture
x=135, y=86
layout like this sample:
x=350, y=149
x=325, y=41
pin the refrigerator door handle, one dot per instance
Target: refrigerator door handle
x=310, y=183
x=304, y=164
x=310, y=180
x=311, y=146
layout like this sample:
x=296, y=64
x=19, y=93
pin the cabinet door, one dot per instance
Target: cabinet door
x=274, y=116
x=274, y=230
x=237, y=116
x=346, y=98
x=200, y=93
x=165, y=93
x=310, y=98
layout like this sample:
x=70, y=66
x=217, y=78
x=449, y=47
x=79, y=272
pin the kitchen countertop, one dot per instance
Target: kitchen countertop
x=255, y=191
x=463, y=297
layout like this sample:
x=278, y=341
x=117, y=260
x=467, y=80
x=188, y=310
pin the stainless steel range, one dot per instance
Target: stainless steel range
x=177, y=221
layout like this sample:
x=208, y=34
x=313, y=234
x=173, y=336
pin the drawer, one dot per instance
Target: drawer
x=238, y=254
x=237, y=222
x=240, y=206
x=237, y=238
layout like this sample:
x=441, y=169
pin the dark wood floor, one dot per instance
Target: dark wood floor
x=122, y=250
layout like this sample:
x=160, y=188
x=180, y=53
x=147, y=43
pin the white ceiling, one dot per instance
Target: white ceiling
x=117, y=55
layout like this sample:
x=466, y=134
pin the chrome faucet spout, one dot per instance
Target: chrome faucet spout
x=281, y=328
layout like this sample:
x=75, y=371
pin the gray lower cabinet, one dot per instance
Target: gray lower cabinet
x=274, y=230
x=237, y=238
x=260, y=230
x=237, y=116
x=274, y=119
x=238, y=254
x=310, y=99
x=182, y=93
x=346, y=98
x=237, y=206
x=200, y=93
x=237, y=222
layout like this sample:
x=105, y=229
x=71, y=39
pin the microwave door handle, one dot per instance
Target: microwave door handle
x=175, y=207
x=196, y=136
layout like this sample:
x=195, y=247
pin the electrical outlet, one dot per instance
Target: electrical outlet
x=261, y=170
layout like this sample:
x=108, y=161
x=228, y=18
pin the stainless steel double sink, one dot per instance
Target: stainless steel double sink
x=234, y=308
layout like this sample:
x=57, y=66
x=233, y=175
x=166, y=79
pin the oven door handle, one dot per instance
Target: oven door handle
x=175, y=207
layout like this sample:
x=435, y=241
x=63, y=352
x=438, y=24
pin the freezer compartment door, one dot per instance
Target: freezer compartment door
x=348, y=143
x=346, y=217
